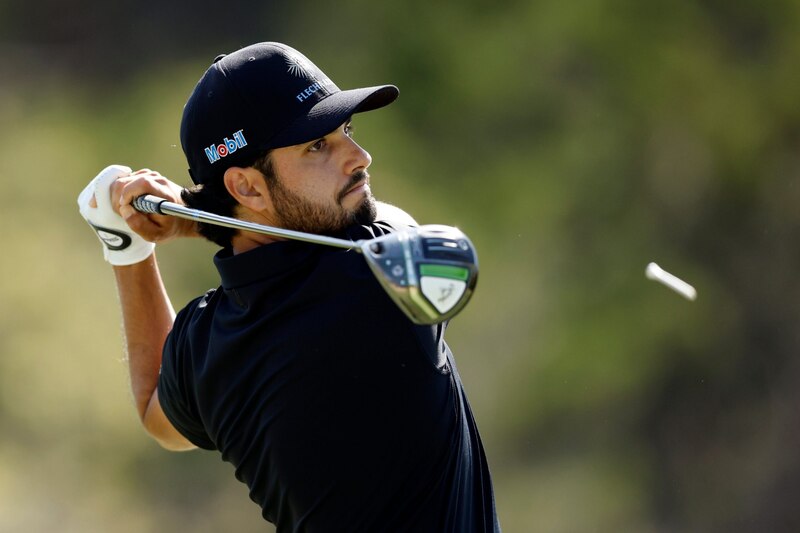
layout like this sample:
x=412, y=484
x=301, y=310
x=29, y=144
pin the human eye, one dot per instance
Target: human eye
x=317, y=145
x=349, y=129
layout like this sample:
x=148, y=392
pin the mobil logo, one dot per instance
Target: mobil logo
x=226, y=147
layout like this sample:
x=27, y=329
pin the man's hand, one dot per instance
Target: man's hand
x=121, y=246
x=128, y=236
x=152, y=227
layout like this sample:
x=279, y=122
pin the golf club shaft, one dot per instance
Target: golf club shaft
x=153, y=204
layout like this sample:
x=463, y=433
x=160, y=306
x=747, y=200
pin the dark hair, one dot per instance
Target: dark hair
x=214, y=197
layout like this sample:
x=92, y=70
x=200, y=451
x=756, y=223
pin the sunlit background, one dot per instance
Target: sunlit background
x=574, y=142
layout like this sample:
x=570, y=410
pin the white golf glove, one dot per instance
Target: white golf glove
x=121, y=245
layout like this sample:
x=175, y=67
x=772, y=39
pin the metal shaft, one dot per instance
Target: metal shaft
x=153, y=204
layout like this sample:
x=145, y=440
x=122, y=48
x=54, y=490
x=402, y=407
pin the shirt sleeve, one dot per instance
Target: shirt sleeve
x=175, y=392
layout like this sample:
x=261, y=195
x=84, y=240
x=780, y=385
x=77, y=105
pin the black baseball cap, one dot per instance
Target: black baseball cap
x=266, y=95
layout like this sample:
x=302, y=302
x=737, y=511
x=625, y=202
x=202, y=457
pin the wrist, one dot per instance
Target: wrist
x=146, y=263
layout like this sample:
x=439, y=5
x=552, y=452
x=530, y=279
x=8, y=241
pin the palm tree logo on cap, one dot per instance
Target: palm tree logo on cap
x=299, y=66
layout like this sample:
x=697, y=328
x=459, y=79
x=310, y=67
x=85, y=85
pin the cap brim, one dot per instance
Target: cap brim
x=330, y=113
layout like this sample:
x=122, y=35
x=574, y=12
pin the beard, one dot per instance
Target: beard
x=299, y=214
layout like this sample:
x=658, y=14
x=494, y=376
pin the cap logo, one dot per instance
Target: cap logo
x=311, y=89
x=299, y=66
x=227, y=147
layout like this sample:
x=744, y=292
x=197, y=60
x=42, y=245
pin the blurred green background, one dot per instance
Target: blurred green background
x=573, y=141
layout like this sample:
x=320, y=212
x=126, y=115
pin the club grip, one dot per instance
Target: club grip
x=147, y=203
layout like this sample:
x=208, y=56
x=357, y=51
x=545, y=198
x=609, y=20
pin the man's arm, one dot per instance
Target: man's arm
x=147, y=313
x=147, y=316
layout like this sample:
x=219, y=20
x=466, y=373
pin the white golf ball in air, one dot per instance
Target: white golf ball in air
x=655, y=272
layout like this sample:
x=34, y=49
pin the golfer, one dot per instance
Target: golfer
x=336, y=411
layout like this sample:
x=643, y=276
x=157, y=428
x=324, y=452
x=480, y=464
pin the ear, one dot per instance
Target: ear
x=248, y=187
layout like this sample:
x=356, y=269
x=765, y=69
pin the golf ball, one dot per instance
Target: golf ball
x=656, y=273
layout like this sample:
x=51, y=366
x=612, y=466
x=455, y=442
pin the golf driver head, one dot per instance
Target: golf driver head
x=430, y=271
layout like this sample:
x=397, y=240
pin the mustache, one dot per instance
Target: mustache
x=355, y=178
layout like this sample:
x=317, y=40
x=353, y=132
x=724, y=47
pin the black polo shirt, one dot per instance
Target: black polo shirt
x=337, y=412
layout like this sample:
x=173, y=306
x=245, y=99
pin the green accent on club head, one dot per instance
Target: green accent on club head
x=445, y=271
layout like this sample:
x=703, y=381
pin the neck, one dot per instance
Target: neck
x=244, y=240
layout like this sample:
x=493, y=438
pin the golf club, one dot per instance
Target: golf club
x=429, y=271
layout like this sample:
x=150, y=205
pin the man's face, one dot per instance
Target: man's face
x=322, y=186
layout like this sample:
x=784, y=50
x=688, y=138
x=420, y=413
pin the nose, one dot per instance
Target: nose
x=357, y=158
